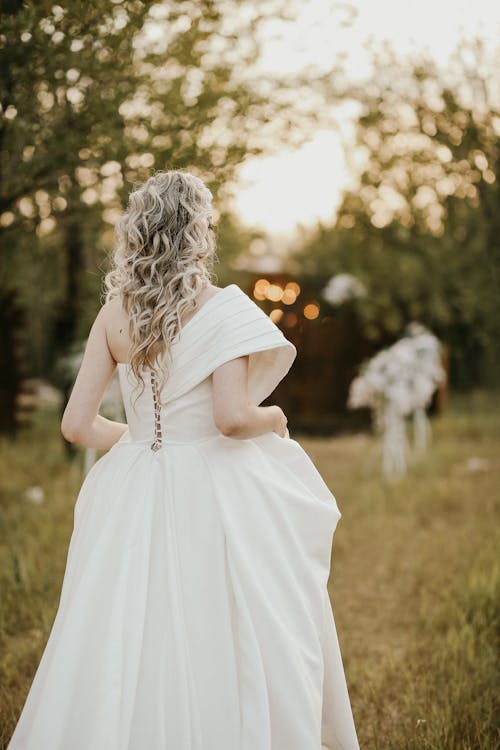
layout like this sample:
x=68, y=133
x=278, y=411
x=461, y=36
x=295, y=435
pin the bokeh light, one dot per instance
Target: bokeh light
x=311, y=311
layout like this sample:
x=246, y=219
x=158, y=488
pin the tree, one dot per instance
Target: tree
x=423, y=228
x=94, y=96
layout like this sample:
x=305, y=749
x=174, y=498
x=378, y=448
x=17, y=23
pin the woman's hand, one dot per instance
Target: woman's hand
x=279, y=421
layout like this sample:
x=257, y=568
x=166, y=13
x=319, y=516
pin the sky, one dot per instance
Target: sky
x=317, y=170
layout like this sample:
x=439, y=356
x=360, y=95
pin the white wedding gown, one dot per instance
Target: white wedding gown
x=194, y=612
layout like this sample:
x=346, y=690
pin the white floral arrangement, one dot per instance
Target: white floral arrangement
x=343, y=287
x=398, y=382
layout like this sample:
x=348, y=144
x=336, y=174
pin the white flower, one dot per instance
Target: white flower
x=343, y=287
x=360, y=394
x=405, y=374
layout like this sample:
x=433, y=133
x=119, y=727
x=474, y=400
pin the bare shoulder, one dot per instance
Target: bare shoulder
x=209, y=291
x=113, y=311
x=116, y=325
x=113, y=314
x=206, y=293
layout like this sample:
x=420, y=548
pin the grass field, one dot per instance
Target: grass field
x=415, y=580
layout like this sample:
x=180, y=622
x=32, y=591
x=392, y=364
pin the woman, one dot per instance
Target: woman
x=194, y=612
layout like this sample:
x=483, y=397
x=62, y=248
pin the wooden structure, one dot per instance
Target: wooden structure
x=330, y=345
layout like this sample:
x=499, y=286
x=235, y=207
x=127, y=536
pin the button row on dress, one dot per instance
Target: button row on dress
x=157, y=444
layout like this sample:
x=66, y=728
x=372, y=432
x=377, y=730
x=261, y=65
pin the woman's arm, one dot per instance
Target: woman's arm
x=233, y=415
x=81, y=423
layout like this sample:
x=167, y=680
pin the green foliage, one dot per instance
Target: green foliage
x=422, y=230
x=95, y=96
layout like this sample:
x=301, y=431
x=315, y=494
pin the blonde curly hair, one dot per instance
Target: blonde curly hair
x=164, y=256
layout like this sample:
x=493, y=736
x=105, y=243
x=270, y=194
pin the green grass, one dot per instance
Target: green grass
x=33, y=545
x=415, y=580
x=416, y=584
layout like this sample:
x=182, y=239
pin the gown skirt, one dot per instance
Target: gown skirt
x=194, y=612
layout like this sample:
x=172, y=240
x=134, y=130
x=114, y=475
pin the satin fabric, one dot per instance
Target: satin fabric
x=194, y=612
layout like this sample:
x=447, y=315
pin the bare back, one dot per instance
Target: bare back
x=117, y=323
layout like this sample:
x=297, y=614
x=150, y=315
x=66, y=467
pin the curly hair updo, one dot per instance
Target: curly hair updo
x=164, y=257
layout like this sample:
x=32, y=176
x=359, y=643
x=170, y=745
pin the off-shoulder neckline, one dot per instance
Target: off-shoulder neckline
x=204, y=305
x=200, y=311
